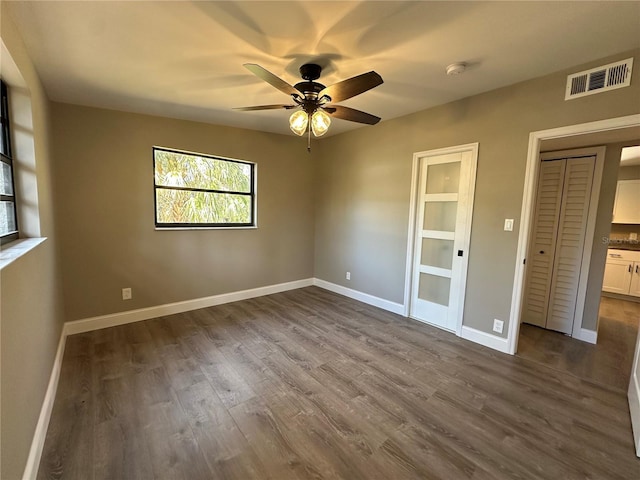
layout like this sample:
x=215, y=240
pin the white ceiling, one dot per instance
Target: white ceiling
x=184, y=59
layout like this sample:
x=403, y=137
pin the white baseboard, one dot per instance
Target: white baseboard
x=590, y=336
x=37, y=443
x=130, y=316
x=104, y=321
x=486, y=339
x=360, y=296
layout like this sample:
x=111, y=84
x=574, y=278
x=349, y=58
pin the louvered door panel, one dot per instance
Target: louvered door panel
x=572, y=226
x=548, y=203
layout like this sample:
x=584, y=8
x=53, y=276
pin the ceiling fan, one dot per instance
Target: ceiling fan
x=312, y=100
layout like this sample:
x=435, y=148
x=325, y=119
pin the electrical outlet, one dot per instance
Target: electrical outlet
x=497, y=325
x=348, y=275
x=126, y=294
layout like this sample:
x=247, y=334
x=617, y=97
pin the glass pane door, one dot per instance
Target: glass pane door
x=438, y=220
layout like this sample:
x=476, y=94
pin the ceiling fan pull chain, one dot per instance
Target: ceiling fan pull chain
x=309, y=138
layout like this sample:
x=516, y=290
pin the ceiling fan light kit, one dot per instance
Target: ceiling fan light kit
x=298, y=122
x=320, y=123
x=312, y=99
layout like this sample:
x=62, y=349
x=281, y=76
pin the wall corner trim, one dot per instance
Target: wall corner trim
x=590, y=336
x=388, y=305
x=486, y=339
x=40, y=434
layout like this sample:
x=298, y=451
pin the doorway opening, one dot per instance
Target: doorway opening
x=608, y=320
x=602, y=132
x=614, y=333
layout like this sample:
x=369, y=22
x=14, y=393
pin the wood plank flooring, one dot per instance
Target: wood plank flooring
x=311, y=385
x=608, y=362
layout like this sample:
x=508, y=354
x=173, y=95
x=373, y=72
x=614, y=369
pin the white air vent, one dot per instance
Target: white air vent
x=600, y=79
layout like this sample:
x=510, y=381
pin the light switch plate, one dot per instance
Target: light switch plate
x=508, y=224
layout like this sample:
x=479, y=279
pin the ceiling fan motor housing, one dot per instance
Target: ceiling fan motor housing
x=309, y=88
x=310, y=71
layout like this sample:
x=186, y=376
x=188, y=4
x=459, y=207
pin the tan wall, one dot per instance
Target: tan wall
x=363, y=186
x=104, y=180
x=31, y=311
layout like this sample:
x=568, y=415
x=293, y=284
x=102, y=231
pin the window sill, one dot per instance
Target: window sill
x=169, y=229
x=14, y=250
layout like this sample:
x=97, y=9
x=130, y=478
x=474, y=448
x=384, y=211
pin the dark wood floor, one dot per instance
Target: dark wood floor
x=608, y=362
x=311, y=385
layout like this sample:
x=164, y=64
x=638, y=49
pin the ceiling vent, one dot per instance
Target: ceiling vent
x=600, y=79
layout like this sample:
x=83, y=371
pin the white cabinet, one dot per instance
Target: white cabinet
x=617, y=276
x=634, y=289
x=627, y=206
x=622, y=272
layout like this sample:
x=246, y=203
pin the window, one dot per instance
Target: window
x=194, y=190
x=8, y=213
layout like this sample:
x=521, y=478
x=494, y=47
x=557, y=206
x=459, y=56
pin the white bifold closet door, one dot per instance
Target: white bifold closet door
x=560, y=223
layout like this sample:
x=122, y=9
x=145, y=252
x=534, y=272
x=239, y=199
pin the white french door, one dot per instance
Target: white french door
x=444, y=203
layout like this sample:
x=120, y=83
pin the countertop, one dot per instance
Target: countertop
x=624, y=245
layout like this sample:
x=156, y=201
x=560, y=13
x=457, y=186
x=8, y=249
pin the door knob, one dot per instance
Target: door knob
x=541, y=252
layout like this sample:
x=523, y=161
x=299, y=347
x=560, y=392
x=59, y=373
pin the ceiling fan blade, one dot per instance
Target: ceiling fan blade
x=351, y=114
x=265, y=107
x=271, y=79
x=352, y=86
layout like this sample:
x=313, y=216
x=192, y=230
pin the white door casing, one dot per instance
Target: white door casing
x=441, y=220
